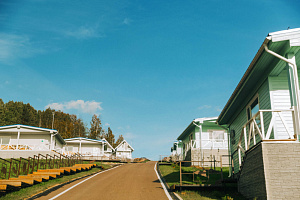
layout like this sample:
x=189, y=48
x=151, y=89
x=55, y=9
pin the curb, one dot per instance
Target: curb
x=55, y=187
x=172, y=194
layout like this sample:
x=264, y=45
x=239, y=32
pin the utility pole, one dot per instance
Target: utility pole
x=53, y=119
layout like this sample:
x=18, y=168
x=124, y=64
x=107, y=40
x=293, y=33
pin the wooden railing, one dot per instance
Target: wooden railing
x=255, y=127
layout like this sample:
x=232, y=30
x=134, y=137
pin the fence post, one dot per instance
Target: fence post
x=180, y=174
x=214, y=162
x=221, y=168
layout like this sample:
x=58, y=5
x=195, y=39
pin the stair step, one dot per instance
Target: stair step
x=25, y=180
x=11, y=182
x=50, y=174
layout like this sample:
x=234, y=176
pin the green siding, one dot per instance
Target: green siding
x=241, y=120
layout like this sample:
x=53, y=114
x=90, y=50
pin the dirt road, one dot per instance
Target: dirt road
x=130, y=181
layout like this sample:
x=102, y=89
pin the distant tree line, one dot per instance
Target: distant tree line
x=67, y=125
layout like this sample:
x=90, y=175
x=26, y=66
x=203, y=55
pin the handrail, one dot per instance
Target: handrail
x=251, y=128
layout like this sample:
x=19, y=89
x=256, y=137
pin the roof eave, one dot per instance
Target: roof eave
x=241, y=84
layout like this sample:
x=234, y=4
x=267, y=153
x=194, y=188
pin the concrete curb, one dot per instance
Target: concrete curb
x=55, y=187
x=172, y=194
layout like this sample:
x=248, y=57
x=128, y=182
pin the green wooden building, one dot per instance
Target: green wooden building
x=204, y=140
x=262, y=115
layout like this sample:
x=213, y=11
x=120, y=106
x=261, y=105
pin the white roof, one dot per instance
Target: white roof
x=201, y=120
x=82, y=140
x=122, y=143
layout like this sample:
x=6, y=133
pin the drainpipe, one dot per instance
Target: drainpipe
x=296, y=88
x=200, y=133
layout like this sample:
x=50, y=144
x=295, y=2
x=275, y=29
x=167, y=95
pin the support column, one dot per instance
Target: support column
x=51, y=142
x=18, y=138
x=80, y=146
x=294, y=91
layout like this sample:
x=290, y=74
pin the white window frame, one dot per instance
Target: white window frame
x=211, y=131
x=249, y=107
x=1, y=140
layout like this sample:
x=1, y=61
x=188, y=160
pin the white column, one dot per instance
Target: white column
x=294, y=91
x=51, y=142
x=18, y=138
x=80, y=146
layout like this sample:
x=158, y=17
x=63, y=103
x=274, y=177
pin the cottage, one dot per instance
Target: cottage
x=89, y=148
x=22, y=141
x=124, y=150
x=204, y=140
x=108, y=149
x=176, y=151
x=263, y=118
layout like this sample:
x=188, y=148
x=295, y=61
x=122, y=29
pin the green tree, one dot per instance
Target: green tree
x=96, y=128
x=2, y=113
x=29, y=115
x=119, y=140
x=110, y=137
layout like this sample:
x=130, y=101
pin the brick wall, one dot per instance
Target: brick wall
x=252, y=180
x=271, y=171
x=282, y=170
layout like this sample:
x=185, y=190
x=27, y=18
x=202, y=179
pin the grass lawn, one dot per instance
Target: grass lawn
x=171, y=175
x=30, y=191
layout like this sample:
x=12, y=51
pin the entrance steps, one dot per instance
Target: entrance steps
x=41, y=175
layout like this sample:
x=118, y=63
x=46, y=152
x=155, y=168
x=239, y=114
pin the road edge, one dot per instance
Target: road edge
x=166, y=187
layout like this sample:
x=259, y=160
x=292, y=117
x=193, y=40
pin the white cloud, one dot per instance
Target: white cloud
x=90, y=107
x=84, y=33
x=204, y=107
x=126, y=21
x=13, y=47
x=106, y=124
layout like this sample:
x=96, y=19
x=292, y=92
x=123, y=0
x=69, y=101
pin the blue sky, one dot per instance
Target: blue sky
x=147, y=67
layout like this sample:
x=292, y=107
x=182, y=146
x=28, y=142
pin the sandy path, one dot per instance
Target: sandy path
x=130, y=181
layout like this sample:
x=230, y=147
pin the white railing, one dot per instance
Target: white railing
x=209, y=144
x=26, y=147
x=255, y=127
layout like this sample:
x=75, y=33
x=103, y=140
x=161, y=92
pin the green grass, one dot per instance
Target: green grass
x=30, y=191
x=171, y=175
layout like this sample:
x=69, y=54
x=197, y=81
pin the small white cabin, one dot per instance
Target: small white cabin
x=84, y=146
x=124, y=150
x=23, y=141
x=108, y=150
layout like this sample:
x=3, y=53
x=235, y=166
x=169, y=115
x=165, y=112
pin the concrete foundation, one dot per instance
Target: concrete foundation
x=271, y=171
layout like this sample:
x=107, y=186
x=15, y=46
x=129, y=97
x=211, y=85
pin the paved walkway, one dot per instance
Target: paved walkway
x=130, y=181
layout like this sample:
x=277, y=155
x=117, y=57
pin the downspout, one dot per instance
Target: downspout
x=296, y=88
x=200, y=133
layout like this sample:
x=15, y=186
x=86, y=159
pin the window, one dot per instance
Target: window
x=232, y=136
x=105, y=147
x=216, y=135
x=4, y=140
x=252, y=110
x=175, y=146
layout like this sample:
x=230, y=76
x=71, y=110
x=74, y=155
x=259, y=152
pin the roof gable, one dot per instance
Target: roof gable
x=124, y=142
